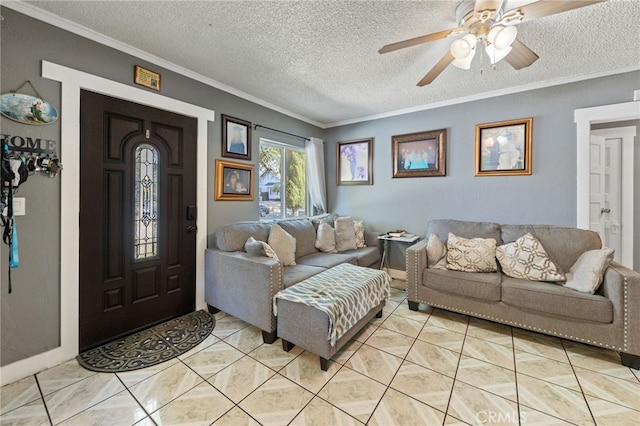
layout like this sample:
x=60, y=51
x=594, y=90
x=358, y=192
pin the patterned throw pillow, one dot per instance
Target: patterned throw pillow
x=471, y=255
x=525, y=258
x=436, y=253
x=326, y=238
x=259, y=248
x=284, y=244
x=587, y=273
x=345, y=233
x=358, y=227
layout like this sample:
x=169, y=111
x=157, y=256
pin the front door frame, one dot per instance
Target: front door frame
x=71, y=82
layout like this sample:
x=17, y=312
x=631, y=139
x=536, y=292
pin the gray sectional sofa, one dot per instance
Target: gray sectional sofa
x=609, y=318
x=243, y=285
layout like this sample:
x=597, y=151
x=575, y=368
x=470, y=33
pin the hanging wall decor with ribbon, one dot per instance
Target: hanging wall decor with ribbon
x=27, y=109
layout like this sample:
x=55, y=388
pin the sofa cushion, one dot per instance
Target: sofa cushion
x=259, y=248
x=345, y=233
x=463, y=228
x=471, y=254
x=587, y=273
x=326, y=238
x=294, y=274
x=557, y=300
x=366, y=256
x=284, y=244
x=304, y=233
x=526, y=258
x=564, y=245
x=436, y=253
x=477, y=285
x=233, y=236
x=327, y=260
x=327, y=218
x=358, y=227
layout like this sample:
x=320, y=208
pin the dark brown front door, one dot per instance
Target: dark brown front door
x=137, y=217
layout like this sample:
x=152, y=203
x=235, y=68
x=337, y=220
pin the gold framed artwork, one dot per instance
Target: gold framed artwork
x=503, y=148
x=421, y=154
x=146, y=78
x=355, y=162
x=234, y=181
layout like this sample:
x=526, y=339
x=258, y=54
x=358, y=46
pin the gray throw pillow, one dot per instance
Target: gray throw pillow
x=345, y=234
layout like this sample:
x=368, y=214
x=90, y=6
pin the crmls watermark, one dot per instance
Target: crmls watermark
x=488, y=417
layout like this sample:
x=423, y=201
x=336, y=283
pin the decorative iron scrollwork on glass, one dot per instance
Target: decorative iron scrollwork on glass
x=146, y=202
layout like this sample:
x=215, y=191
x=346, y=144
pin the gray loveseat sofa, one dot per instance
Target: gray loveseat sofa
x=608, y=318
x=243, y=285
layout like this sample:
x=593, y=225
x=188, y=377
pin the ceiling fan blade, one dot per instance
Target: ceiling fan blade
x=541, y=9
x=520, y=56
x=437, y=69
x=419, y=40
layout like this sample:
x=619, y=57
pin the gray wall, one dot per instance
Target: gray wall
x=30, y=315
x=548, y=196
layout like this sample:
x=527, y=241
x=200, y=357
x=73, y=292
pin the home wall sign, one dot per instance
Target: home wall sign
x=27, y=109
x=26, y=144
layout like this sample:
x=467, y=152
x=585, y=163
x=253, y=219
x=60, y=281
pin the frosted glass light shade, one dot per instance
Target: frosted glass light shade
x=502, y=37
x=463, y=50
x=496, y=55
x=465, y=63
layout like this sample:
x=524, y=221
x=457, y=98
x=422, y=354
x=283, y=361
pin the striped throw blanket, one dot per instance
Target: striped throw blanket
x=345, y=292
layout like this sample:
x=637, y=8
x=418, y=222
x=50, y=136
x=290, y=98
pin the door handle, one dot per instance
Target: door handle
x=603, y=210
x=192, y=228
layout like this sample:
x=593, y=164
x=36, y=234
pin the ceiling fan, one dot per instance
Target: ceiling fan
x=486, y=22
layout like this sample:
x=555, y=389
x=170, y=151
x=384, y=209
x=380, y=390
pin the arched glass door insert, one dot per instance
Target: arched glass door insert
x=146, y=202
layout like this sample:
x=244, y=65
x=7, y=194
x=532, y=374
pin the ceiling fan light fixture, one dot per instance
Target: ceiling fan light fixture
x=463, y=50
x=464, y=63
x=496, y=55
x=463, y=47
x=502, y=37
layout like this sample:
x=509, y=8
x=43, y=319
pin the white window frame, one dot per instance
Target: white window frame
x=283, y=165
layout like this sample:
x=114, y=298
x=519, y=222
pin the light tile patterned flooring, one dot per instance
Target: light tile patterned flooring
x=429, y=367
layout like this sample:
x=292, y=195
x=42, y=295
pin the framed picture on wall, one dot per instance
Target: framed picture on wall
x=355, y=162
x=421, y=154
x=236, y=138
x=234, y=181
x=503, y=148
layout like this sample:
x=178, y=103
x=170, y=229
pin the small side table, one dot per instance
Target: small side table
x=406, y=238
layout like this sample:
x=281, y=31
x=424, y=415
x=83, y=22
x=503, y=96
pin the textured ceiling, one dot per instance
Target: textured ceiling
x=319, y=59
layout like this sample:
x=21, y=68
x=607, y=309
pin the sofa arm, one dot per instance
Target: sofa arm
x=416, y=264
x=243, y=285
x=621, y=285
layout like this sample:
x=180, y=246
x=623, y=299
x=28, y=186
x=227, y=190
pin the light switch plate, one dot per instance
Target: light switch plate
x=19, y=206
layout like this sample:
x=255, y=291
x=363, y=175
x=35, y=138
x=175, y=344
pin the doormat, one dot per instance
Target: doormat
x=151, y=346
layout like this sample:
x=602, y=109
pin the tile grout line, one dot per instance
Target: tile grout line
x=136, y=400
x=455, y=375
x=578, y=381
x=44, y=403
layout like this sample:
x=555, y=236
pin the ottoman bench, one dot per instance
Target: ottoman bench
x=323, y=312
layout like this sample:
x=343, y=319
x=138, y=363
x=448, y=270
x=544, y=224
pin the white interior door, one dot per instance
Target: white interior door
x=611, y=190
x=612, y=196
x=597, y=207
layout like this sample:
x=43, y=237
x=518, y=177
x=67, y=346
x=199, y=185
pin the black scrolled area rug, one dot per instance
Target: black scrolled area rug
x=151, y=346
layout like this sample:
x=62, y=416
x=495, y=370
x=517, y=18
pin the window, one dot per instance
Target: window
x=282, y=176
